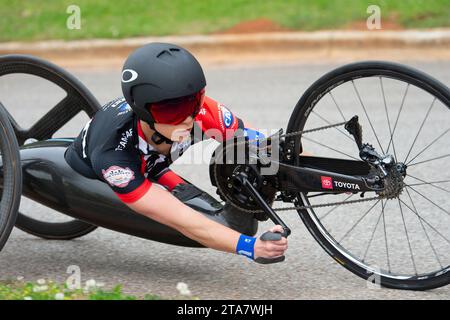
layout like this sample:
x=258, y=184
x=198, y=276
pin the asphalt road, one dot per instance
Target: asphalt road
x=264, y=96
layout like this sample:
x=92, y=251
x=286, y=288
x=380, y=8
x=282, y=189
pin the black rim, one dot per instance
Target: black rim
x=11, y=188
x=77, y=99
x=353, y=74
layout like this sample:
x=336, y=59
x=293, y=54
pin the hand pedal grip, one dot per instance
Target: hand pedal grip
x=270, y=236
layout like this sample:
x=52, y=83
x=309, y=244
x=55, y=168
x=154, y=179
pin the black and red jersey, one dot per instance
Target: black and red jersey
x=114, y=148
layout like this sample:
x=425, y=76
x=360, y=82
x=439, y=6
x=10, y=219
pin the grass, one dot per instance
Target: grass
x=49, y=290
x=46, y=19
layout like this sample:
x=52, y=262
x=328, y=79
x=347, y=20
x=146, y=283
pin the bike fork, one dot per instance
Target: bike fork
x=246, y=184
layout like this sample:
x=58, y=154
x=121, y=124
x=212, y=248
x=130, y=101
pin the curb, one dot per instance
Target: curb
x=433, y=37
x=228, y=45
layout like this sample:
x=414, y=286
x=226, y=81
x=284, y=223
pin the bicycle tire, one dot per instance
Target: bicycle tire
x=297, y=122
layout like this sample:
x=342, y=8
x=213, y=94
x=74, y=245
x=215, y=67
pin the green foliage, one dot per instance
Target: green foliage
x=17, y=290
x=46, y=19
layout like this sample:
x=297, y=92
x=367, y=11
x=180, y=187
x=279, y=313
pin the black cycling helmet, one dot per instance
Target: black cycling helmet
x=157, y=72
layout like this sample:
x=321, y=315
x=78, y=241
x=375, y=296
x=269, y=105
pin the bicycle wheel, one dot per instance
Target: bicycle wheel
x=11, y=177
x=77, y=99
x=400, y=242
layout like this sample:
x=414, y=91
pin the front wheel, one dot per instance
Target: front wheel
x=401, y=241
x=11, y=177
x=76, y=98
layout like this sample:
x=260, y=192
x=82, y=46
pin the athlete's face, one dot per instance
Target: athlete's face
x=177, y=132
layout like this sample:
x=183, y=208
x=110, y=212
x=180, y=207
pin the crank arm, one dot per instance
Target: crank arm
x=248, y=187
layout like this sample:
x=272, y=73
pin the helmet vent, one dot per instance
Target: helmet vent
x=167, y=53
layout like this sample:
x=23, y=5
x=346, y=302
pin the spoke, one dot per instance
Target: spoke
x=337, y=106
x=334, y=208
x=398, y=117
x=387, y=116
x=440, y=136
x=386, y=242
x=407, y=237
x=420, y=129
x=440, y=157
x=373, y=232
x=408, y=186
x=424, y=220
x=419, y=184
x=357, y=222
x=328, y=122
x=367, y=116
x=55, y=119
x=321, y=144
x=425, y=231
x=428, y=183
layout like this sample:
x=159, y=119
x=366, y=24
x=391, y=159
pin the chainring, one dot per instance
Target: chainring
x=225, y=166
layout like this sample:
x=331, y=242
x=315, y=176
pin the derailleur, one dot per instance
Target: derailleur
x=387, y=175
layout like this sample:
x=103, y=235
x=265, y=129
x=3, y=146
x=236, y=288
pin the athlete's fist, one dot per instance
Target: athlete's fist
x=271, y=248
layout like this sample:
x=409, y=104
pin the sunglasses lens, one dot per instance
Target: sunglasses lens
x=175, y=111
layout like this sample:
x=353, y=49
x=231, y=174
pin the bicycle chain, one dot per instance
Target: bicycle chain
x=290, y=134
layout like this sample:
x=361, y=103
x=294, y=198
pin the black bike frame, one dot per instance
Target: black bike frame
x=318, y=174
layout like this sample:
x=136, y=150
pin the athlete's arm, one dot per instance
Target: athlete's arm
x=218, y=122
x=160, y=205
x=121, y=170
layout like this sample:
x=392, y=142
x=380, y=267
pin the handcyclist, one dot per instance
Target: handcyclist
x=129, y=144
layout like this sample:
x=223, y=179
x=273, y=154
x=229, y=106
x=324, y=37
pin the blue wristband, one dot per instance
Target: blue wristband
x=255, y=135
x=246, y=246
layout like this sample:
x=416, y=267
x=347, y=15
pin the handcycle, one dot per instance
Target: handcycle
x=396, y=228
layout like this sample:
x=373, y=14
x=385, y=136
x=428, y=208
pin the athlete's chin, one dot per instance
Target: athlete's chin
x=181, y=139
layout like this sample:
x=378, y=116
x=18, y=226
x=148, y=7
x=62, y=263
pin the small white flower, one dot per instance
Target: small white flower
x=41, y=282
x=91, y=283
x=40, y=288
x=27, y=298
x=181, y=286
x=59, y=296
x=183, y=289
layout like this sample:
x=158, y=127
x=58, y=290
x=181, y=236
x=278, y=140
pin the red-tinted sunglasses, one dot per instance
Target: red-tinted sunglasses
x=175, y=111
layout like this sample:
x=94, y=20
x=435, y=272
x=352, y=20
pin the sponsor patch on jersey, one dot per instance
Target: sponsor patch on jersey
x=124, y=108
x=117, y=176
x=227, y=116
x=125, y=136
x=202, y=111
x=114, y=103
x=327, y=182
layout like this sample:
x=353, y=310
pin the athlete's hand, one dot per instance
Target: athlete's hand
x=271, y=249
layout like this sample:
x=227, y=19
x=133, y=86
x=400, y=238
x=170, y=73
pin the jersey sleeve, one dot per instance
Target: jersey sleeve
x=123, y=172
x=217, y=121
